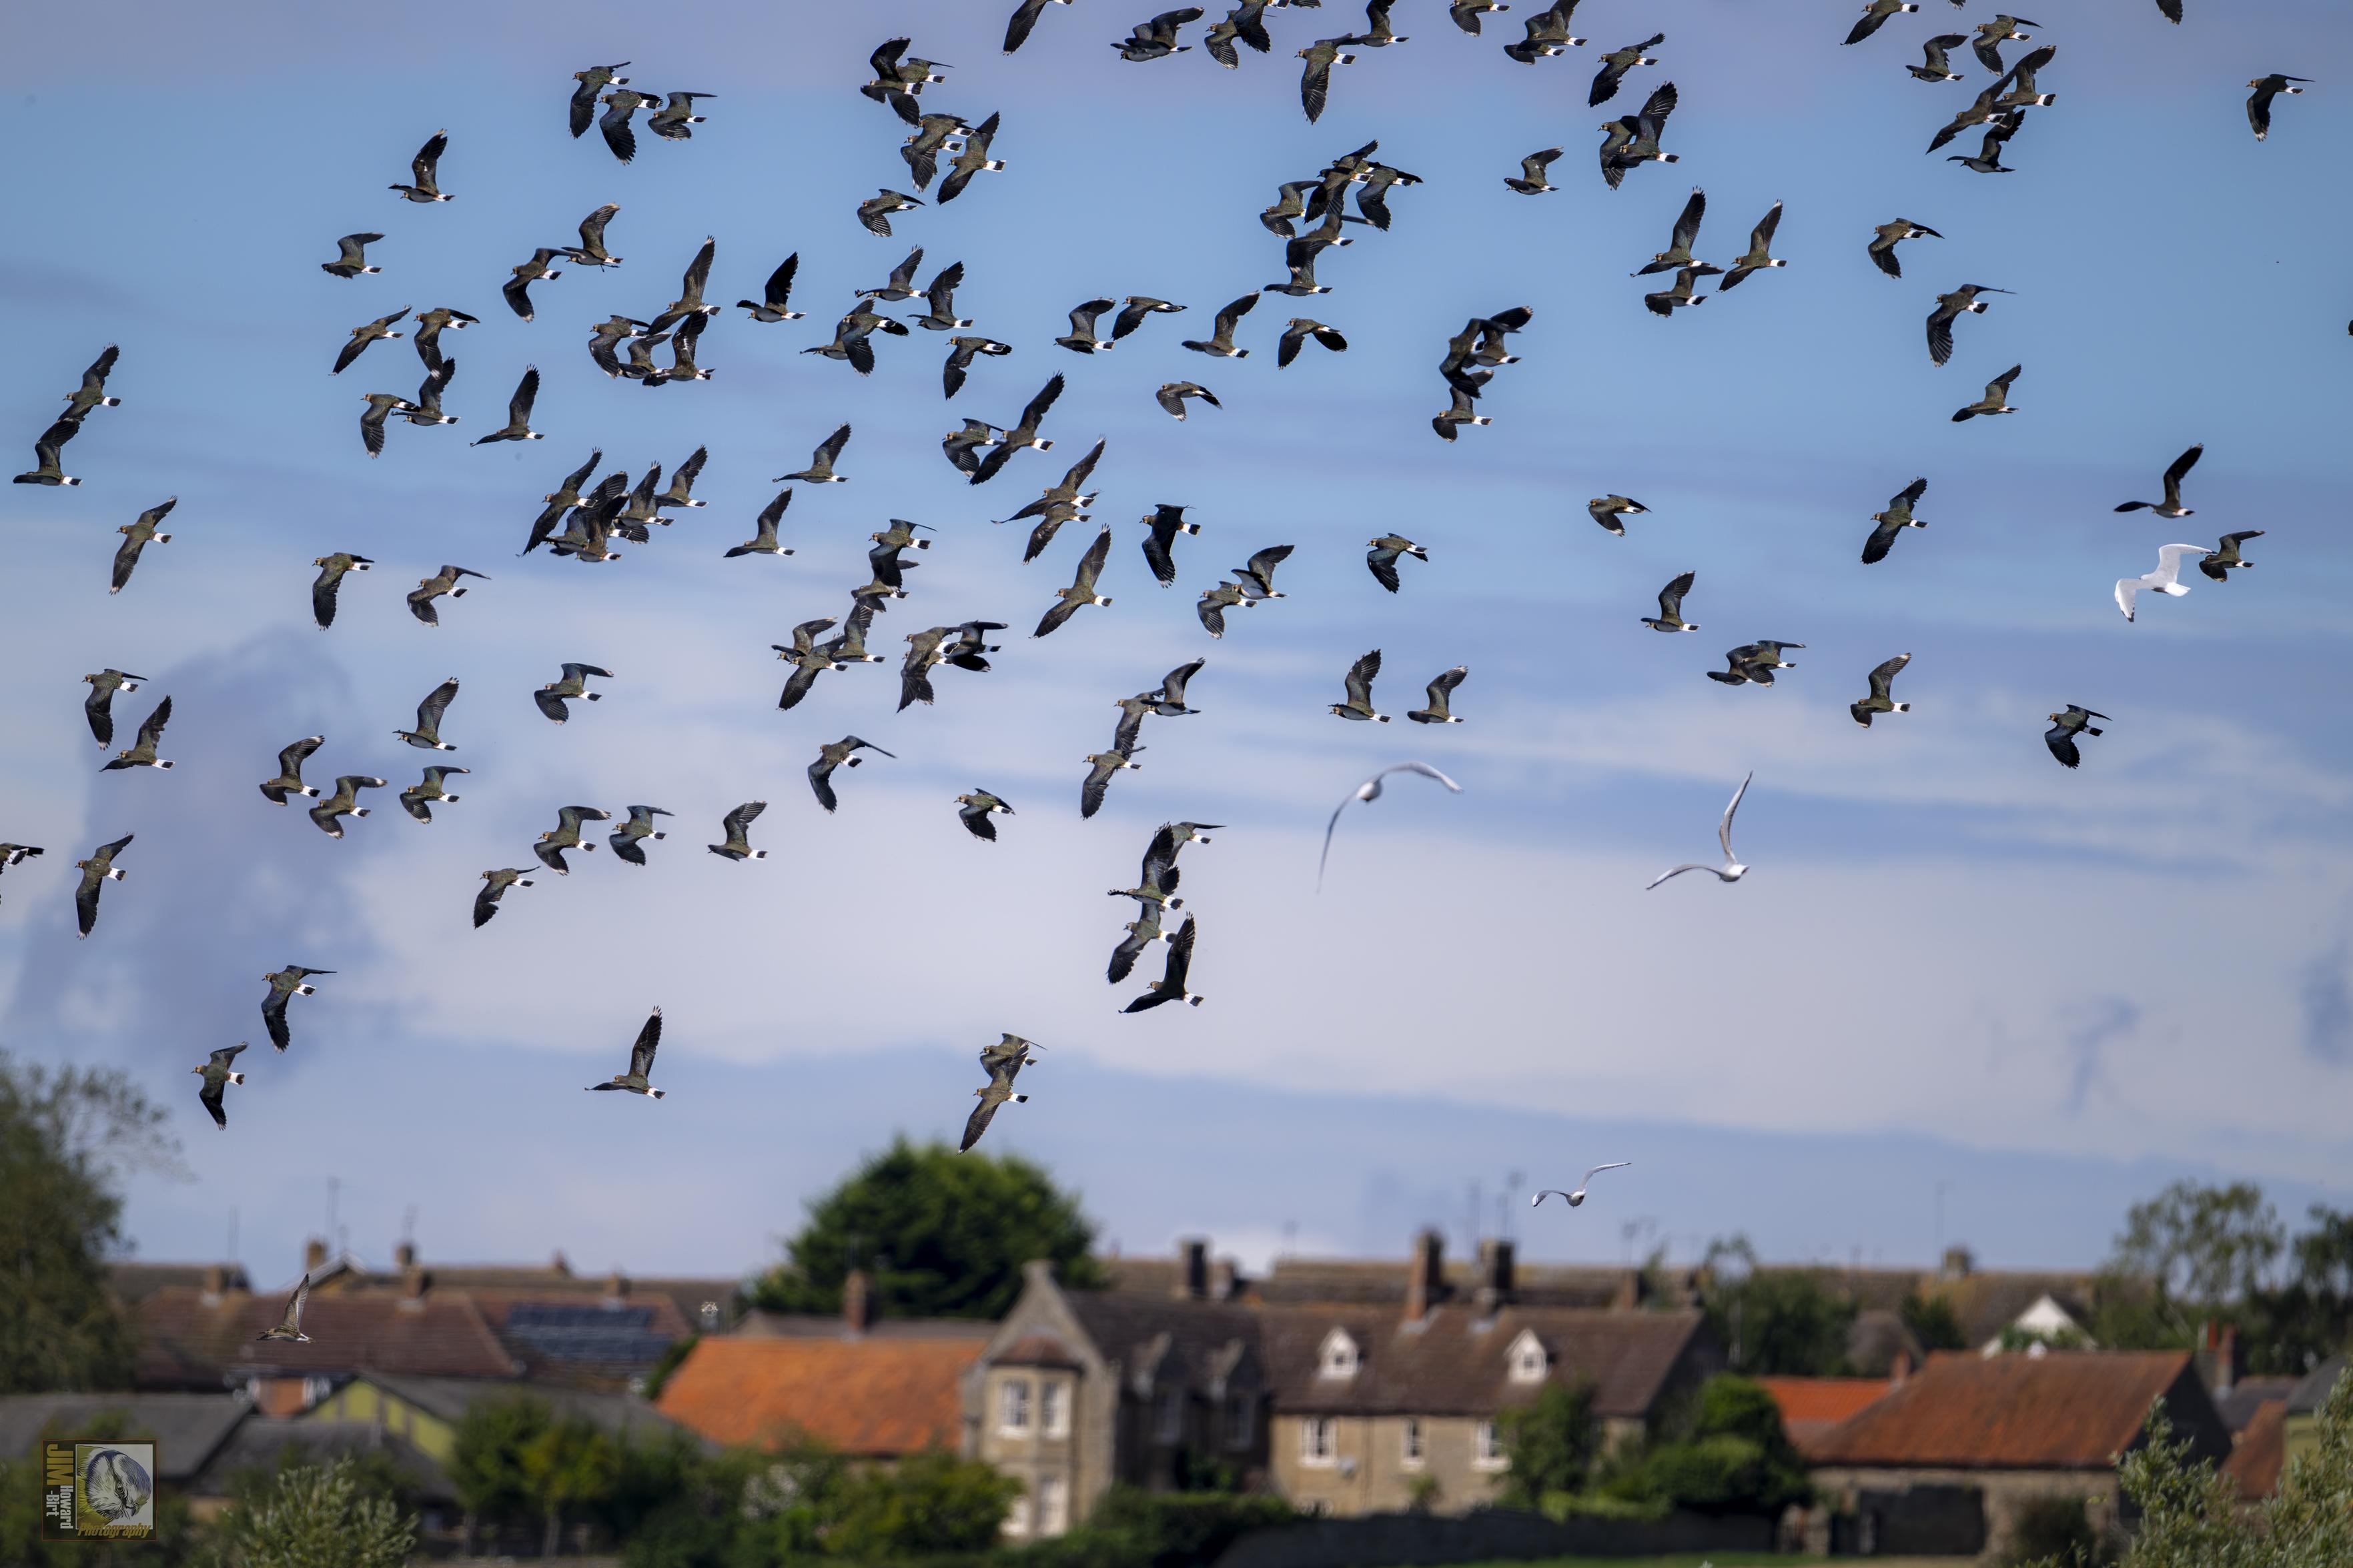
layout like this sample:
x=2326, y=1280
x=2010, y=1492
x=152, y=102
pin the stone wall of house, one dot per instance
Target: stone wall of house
x=1415, y=1538
x=1850, y=1491
x=1369, y=1470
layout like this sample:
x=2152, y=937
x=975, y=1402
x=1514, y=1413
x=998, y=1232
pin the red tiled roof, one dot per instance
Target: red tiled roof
x=440, y=1336
x=1810, y=1406
x=886, y=1396
x=2067, y=1410
x=2262, y=1452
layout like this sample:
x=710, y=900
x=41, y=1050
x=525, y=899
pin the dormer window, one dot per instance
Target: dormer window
x=1528, y=1358
x=1339, y=1357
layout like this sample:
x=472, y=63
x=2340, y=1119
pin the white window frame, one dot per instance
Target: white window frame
x=1053, y=1407
x=1413, y=1444
x=1487, y=1448
x=1241, y=1420
x=1531, y=1362
x=1339, y=1356
x=1054, y=1506
x=1013, y=1407
x=1319, y=1441
x=1169, y=1416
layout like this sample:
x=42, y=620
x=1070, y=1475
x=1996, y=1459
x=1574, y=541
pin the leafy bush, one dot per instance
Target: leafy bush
x=2056, y=1530
x=1133, y=1529
x=1551, y=1444
x=1737, y=1459
x=310, y=1518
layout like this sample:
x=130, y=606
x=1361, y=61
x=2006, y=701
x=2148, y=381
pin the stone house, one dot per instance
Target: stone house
x=1942, y=1464
x=1080, y=1390
x=1182, y=1375
x=1375, y=1411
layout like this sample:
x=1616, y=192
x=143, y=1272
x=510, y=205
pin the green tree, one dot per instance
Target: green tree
x=931, y=1502
x=940, y=1234
x=568, y=1464
x=1933, y=1322
x=68, y=1139
x=1550, y=1443
x=1737, y=1459
x=2200, y=1249
x=312, y=1518
x=486, y=1460
x=2310, y=1317
x=1775, y=1322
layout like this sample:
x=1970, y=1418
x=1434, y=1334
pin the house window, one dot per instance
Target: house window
x=1318, y=1443
x=1013, y=1406
x=1169, y=1424
x=1053, y=1505
x=1338, y=1357
x=1054, y=1408
x=1529, y=1360
x=1241, y=1421
x=1017, y=1516
x=1409, y=1445
x=1487, y=1448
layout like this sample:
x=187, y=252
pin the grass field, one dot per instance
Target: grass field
x=1726, y=1560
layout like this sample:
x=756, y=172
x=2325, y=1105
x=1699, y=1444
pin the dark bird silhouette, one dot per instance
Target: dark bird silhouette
x=494, y=887
x=2065, y=727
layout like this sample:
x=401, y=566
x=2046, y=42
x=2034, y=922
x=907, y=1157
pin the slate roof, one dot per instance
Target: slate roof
x=262, y=1444
x=2248, y=1395
x=2314, y=1391
x=131, y=1281
x=1192, y=1341
x=1454, y=1362
x=878, y=1398
x=758, y=1324
x=188, y=1334
x=2064, y=1410
x=187, y=1428
x=1348, y=1282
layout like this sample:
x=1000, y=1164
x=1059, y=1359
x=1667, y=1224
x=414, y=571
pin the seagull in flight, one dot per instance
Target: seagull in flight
x=1577, y=1196
x=1731, y=870
x=1371, y=789
x=2164, y=580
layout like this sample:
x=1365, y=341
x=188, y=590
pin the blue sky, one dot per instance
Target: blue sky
x=1952, y=962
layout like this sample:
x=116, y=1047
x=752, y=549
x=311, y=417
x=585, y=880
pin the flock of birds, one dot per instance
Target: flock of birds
x=583, y=516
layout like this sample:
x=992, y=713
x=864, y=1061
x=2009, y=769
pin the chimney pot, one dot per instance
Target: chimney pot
x=857, y=1301
x=1193, y=1269
x=1958, y=1263
x=314, y=1254
x=617, y=1286
x=215, y=1280
x=1425, y=1280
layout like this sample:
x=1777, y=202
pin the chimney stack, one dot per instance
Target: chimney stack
x=617, y=1286
x=1899, y=1367
x=412, y=1281
x=405, y=1256
x=1224, y=1281
x=1958, y=1263
x=1193, y=1269
x=1494, y=1288
x=857, y=1301
x=215, y=1280
x=1424, y=1280
x=314, y=1254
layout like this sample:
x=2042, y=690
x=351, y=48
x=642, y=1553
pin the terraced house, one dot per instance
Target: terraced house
x=1184, y=1375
